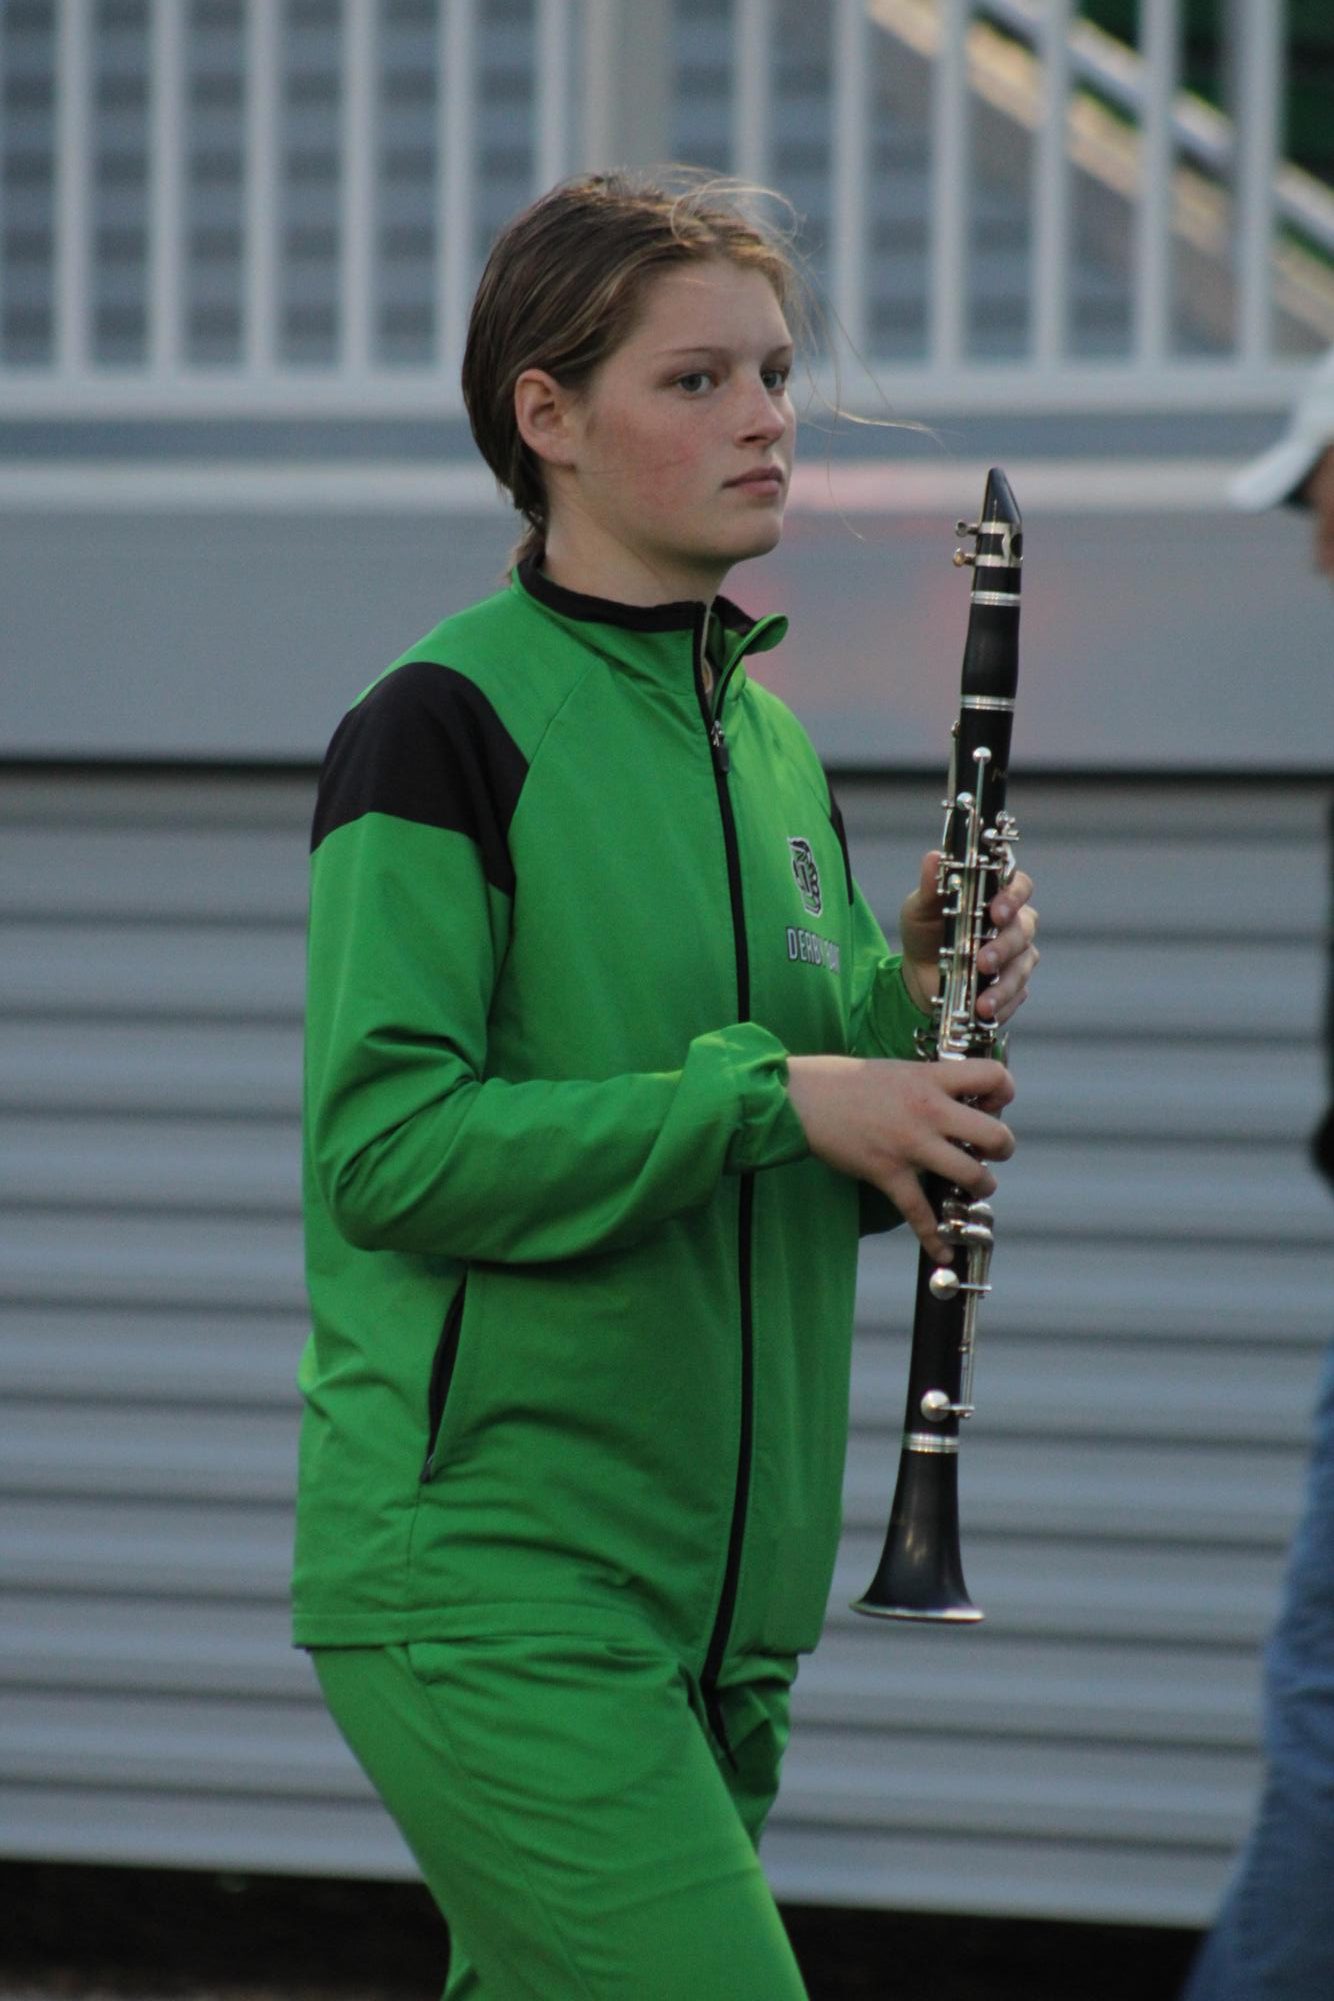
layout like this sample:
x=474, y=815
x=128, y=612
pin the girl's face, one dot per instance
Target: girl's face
x=680, y=447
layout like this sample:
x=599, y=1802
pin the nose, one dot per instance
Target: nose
x=762, y=416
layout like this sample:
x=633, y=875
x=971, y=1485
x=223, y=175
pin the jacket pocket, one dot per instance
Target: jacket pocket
x=442, y=1374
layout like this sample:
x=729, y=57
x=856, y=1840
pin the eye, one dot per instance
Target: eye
x=693, y=381
x=777, y=379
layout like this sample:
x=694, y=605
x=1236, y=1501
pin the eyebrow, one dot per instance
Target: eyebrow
x=722, y=353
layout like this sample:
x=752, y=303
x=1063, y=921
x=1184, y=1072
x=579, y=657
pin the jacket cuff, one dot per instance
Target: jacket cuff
x=769, y=1133
x=893, y=1017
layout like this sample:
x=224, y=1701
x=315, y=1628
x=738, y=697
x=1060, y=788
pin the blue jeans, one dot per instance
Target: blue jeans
x=1274, y=1936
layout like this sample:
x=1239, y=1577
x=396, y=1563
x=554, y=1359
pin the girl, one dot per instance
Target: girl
x=588, y=1141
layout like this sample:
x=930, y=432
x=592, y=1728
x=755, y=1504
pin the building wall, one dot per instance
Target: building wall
x=1164, y=1265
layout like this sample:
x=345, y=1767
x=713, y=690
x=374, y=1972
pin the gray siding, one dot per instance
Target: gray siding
x=1163, y=1276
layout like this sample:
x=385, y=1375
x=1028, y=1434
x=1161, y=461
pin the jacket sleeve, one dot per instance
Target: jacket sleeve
x=411, y=1145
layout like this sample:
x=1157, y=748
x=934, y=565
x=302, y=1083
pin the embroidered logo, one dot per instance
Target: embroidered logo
x=806, y=873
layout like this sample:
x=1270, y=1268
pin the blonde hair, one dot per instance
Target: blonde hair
x=565, y=283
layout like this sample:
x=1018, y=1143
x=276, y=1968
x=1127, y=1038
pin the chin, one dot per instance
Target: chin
x=753, y=538
x=763, y=537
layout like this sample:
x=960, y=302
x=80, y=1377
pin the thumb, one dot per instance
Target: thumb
x=927, y=887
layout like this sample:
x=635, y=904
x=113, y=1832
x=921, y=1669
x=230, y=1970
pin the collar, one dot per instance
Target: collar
x=683, y=617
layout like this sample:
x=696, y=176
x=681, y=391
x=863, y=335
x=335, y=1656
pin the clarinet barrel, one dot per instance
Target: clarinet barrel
x=920, y=1575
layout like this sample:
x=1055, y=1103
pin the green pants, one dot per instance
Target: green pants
x=571, y=1816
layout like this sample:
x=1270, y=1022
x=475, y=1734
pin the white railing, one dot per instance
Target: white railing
x=1190, y=181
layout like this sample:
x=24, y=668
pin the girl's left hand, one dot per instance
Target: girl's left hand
x=1011, y=955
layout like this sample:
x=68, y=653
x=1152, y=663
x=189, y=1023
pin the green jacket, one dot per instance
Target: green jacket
x=582, y=1296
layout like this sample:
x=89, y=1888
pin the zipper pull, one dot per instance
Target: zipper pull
x=719, y=742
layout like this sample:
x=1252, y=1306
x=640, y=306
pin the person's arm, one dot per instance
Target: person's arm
x=412, y=1145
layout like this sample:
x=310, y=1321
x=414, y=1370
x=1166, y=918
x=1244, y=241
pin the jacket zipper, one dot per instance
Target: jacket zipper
x=722, y=1624
x=442, y=1375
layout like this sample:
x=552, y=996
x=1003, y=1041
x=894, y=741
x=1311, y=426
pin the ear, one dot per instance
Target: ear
x=544, y=414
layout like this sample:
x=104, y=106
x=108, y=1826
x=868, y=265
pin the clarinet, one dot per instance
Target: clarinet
x=921, y=1571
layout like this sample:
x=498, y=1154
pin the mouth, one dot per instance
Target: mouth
x=765, y=479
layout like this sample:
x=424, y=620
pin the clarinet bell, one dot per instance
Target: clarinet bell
x=920, y=1574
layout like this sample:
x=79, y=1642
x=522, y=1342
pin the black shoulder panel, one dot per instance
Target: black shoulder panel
x=426, y=745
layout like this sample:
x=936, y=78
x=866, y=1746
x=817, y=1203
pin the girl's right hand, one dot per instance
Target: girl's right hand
x=887, y=1122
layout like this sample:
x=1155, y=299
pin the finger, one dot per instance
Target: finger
x=951, y=1163
x=990, y=1137
x=1001, y=1012
x=927, y=898
x=1011, y=897
x=1007, y=944
x=905, y=1192
x=979, y=1077
x=1001, y=999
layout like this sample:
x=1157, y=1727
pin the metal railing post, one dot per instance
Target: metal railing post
x=852, y=88
x=455, y=181
x=1159, y=46
x=951, y=205
x=752, y=91
x=356, y=217
x=73, y=342
x=551, y=147
x=1256, y=112
x=263, y=61
x=1050, y=194
x=168, y=83
x=627, y=93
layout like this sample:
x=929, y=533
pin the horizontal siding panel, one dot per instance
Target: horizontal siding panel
x=158, y=799
x=144, y=1645
x=1129, y=1793
x=194, y=1743
x=1074, y=1587
x=1050, y=1390
x=149, y=1826
x=1130, y=1087
x=1037, y=1484
x=1233, y=1193
x=996, y=1684
x=1089, y=1289
x=202, y=875
x=213, y=974
x=190, y=1455
x=151, y=1356
x=219, y=1166
x=108, y=1548
x=1160, y=988
x=100, y=1066
x=1064, y=1877
x=185, y=1261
